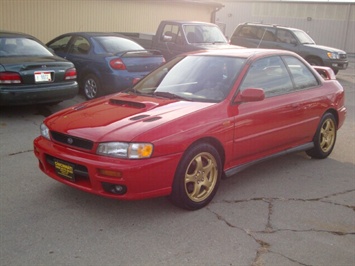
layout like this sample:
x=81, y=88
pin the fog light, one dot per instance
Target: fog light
x=114, y=188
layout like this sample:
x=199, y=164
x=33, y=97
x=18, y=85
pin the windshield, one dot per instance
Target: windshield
x=194, y=78
x=114, y=44
x=20, y=46
x=303, y=37
x=204, y=34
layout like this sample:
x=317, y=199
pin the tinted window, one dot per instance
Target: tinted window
x=114, y=44
x=174, y=32
x=270, y=74
x=259, y=33
x=60, y=45
x=285, y=36
x=302, y=76
x=20, y=46
x=80, y=46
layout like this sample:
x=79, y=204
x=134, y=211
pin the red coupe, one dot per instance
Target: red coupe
x=193, y=121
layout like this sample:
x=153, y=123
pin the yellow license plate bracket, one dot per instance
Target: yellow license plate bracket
x=64, y=169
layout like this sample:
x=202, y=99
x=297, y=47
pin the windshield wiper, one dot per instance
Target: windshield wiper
x=169, y=95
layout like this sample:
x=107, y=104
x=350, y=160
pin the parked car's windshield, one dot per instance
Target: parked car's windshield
x=114, y=44
x=303, y=37
x=204, y=34
x=194, y=78
x=19, y=46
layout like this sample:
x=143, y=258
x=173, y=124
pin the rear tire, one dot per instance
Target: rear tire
x=197, y=177
x=325, y=137
x=91, y=87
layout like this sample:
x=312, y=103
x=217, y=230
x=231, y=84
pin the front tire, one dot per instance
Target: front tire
x=325, y=137
x=91, y=87
x=197, y=177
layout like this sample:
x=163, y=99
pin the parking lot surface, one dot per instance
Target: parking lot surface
x=288, y=211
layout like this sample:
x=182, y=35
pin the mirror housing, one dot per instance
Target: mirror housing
x=250, y=95
x=167, y=38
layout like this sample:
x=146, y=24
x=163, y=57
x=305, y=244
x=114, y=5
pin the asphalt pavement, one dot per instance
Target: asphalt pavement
x=290, y=211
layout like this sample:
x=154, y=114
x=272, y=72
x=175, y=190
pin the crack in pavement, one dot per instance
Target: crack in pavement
x=19, y=152
x=264, y=247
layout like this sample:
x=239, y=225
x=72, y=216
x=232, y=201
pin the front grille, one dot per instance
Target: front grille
x=72, y=141
x=342, y=56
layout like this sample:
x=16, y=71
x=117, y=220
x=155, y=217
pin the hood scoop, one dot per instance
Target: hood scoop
x=122, y=103
x=147, y=105
x=145, y=118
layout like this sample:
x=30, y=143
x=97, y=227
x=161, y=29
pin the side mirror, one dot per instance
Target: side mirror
x=250, y=95
x=294, y=42
x=167, y=38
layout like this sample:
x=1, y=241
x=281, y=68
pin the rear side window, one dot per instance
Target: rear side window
x=301, y=74
x=259, y=33
x=80, y=46
x=247, y=32
x=269, y=74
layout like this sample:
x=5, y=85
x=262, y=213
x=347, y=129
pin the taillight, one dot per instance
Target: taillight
x=117, y=64
x=70, y=74
x=10, y=78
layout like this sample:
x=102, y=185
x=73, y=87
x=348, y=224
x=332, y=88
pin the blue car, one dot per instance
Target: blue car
x=105, y=62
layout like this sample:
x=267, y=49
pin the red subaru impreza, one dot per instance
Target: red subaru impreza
x=195, y=120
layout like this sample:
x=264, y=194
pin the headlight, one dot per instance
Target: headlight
x=45, y=131
x=125, y=150
x=333, y=55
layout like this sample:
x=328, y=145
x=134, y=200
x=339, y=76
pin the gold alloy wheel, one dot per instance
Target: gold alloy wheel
x=201, y=177
x=327, y=135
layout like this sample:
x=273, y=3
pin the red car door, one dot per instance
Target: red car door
x=281, y=121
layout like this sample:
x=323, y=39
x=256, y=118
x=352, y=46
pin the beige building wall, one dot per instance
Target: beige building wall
x=47, y=19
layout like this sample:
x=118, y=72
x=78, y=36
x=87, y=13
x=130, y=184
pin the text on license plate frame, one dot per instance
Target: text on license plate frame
x=64, y=169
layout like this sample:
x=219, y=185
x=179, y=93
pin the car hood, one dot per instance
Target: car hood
x=122, y=117
x=325, y=48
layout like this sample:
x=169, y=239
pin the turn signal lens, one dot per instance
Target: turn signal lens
x=110, y=173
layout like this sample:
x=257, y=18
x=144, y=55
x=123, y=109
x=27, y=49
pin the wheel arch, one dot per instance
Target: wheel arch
x=310, y=57
x=215, y=143
x=334, y=113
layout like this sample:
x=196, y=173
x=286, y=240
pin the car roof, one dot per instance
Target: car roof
x=93, y=34
x=4, y=33
x=243, y=52
x=188, y=22
x=268, y=26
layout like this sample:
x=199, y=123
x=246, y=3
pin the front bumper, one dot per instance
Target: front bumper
x=336, y=64
x=141, y=179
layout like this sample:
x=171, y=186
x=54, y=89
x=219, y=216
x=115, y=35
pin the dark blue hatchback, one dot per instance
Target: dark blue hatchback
x=105, y=62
